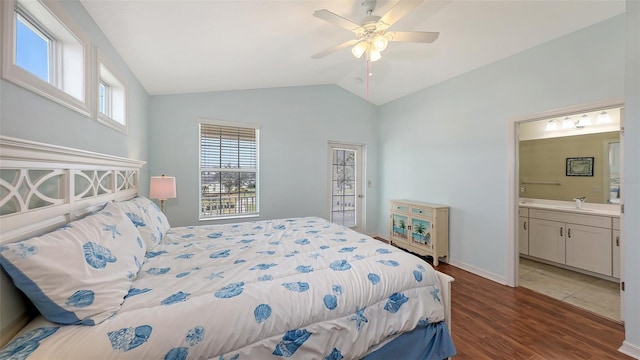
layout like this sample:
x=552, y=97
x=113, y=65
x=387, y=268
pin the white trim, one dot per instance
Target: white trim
x=227, y=123
x=221, y=123
x=14, y=149
x=118, y=95
x=361, y=202
x=16, y=74
x=480, y=272
x=630, y=349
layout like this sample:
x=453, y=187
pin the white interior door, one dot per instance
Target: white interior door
x=346, y=188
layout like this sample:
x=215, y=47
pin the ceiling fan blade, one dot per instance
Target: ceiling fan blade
x=334, y=49
x=402, y=8
x=413, y=36
x=335, y=19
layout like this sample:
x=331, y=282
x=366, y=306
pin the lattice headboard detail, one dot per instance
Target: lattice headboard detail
x=43, y=187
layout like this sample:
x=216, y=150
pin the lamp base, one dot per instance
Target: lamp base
x=162, y=205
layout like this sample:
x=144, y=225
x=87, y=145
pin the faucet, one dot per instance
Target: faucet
x=579, y=201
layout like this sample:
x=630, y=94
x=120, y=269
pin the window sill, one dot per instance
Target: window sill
x=230, y=217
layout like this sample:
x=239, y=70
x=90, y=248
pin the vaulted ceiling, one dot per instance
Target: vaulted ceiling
x=195, y=46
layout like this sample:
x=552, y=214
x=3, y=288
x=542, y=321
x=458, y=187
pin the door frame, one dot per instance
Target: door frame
x=513, y=174
x=360, y=181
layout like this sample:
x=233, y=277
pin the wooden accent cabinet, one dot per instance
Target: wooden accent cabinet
x=420, y=227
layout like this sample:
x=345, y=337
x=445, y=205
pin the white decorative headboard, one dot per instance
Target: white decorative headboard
x=43, y=187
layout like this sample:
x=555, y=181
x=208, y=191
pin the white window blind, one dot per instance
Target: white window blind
x=228, y=171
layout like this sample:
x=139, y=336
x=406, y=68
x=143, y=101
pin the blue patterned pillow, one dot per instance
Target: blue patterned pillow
x=80, y=273
x=148, y=218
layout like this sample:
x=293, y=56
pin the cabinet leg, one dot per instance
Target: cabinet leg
x=435, y=260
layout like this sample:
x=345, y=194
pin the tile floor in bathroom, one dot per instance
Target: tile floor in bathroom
x=591, y=293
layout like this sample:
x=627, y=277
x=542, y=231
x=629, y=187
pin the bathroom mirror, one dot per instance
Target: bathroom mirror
x=546, y=144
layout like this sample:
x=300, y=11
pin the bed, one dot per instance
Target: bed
x=109, y=278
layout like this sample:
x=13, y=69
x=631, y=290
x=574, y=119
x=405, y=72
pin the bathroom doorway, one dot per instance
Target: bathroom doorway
x=566, y=248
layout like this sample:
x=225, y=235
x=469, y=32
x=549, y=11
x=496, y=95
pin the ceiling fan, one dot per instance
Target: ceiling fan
x=372, y=36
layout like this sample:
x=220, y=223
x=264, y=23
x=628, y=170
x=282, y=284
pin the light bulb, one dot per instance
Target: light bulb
x=603, y=118
x=374, y=55
x=380, y=43
x=551, y=126
x=360, y=49
x=585, y=120
x=567, y=123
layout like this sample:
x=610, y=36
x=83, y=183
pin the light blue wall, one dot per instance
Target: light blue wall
x=448, y=143
x=296, y=125
x=25, y=115
x=631, y=196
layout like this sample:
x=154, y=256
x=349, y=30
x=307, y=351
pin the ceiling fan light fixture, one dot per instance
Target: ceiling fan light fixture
x=380, y=43
x=359, y=49
x=374, y=55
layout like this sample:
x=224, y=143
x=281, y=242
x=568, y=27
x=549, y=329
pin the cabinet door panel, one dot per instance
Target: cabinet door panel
x=546, y=240
x=399, y=226
x=421, y=232
x=589, y=248
x=523, y=236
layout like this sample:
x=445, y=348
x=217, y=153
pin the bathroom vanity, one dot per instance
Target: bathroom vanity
x=585, y=239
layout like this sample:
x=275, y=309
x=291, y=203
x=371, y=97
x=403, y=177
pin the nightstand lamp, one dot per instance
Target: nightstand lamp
x=162, y=188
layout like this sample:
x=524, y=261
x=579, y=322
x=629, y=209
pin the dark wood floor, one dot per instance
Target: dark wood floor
x=493, y=321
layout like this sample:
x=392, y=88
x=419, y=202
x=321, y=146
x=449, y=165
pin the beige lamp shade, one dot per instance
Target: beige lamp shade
x=162, y=187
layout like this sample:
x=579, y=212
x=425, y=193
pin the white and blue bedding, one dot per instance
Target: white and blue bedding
x=299, y=288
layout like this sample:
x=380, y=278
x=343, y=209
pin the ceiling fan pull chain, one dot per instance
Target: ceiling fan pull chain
x=367, y=76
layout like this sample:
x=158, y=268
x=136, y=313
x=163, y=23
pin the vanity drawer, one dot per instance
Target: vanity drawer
x=571, y=218
x=523, y=212
x=616, y=223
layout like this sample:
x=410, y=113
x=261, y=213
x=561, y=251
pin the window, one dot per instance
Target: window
x=112, y=97
x=33, y=48
x=104, y=93
x=45, y=52
x=228, y=170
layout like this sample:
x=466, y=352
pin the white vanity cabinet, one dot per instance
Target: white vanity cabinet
x=420, y=228
x=523, y=231
x=578, y=240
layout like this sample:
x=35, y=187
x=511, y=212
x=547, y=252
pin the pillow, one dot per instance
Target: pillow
x=148, y=218
x=80, y=273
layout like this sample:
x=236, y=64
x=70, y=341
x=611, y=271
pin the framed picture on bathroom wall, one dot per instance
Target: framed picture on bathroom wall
x=580, y=166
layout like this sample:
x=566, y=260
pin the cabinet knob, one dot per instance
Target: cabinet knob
x=569, y=232
x=617, y=240
x=561, y=231
x=525, y=225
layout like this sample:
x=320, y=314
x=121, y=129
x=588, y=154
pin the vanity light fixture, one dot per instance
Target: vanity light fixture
x=603, y=118
x=552, y=125
x=567, y=123
x=585, y=120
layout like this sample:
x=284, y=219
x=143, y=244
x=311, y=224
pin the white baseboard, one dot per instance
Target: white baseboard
x=480, y=272
x=630, y=349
